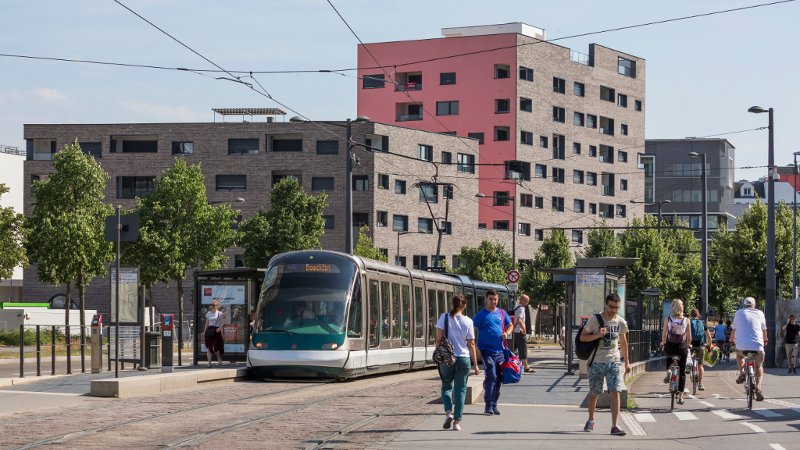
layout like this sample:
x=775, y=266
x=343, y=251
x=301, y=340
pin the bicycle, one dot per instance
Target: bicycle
x=750, y=377
x=695, y=373
x=725, y=348
x=673, y=380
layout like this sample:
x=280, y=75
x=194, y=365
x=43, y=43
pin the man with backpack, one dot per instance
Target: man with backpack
x=494, y=326
x=610, y=331
x=701, y=340
x=520, y=316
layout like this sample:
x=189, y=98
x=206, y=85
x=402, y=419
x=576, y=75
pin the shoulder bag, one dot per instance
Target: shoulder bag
x=444, y=353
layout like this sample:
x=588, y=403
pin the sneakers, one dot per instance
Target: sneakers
x=219, y=363
x=666, y=379
x=794, y=369
x=448, y=421
x=456, y=427
x=495, y=411
x=759, y=395
x=617, y=431
x=589, y=426
x=488, y=411
x=701, y=387
x=740, y=380
x=790, y=370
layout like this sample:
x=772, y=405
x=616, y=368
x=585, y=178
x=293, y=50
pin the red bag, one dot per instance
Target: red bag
x=512, y=367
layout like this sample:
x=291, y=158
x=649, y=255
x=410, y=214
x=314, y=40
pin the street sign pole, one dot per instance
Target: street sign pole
x=116, y=296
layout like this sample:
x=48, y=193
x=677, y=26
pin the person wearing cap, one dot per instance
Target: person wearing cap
x=750, y=335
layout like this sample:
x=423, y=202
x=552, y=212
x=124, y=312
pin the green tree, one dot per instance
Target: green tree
x=602, y=242
x=294, y=222
x=66, y=239
x=721, y=295
x=12, y=239
x=554, y=253
x=687, y=270
x=658, y=263
x=489, y=262
x=366, y=249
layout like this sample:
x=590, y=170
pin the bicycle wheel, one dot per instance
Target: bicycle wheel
x=695, y=378
x=750, y=392
x=672, y=403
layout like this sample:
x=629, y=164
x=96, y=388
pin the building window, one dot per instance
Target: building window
x=525, y=104
x=577, y=205
x=373, y=81
x=621, y=210
x=399, y=186
x=500, y=225
x=591, y=179
x=447, y=227
x=559, y=146
x=399, y=223
x=382, y=219
x=420, y=262
x=178, y=148
x=526, y=200
x=558, y=204
x=578, y=119
x=591, y=121
x=447, y=192
x=400, y=261
x=559, y=85
x=500, y=198
x=502, y=106
x=539, y=235
x=627, y=67
x=559, y=114
x=329, y=222
x=593, y=151
x=243, y=146
x=525, y=73
x=360, y=219
x=238, y=262
x=322, y=184
x=577, y=176
x=375, y=142
x=407, y=112
x=539, y=202
x=425, y=225
x=524, y=229
x=540, y=171
x=285, y=143
x=502, y=71
x=606, y=154
x=447, y=78
x=478, y=136
x=576, y=148
x=606, y=126
x=622, y=100
x=606, y=211
x=637, y=105
x=622, y=156
x=429, y=193
x=593, y=208
x=426, y=152
x=543, y=141
x=623, y=185
x=526, y=137
x=360, y=182
x=133, y=187
x=608, y=94
x=447, y=158
x=133, y=144
x=447, y=108
x=577, y=237
x=623, y=129
x=466, y=163
x=328, y=147
x=501, y=133
x=558, y=175
x=383, y=181
x=580, y=89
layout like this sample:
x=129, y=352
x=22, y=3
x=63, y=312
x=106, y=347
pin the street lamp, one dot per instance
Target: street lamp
x=513, y=225
x=769, y=306
x=348, y=230
x=794, y=253
x=704, y=241
x=659, y=203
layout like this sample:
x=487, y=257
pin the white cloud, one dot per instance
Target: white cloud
x=169, y=113
x=49, y=94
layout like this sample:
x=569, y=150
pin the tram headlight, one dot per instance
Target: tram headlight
x=261, y=345
x=330, y=346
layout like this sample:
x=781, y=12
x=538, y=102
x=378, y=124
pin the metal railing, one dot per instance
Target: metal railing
x=11, y=150
x=409, y=117
x=579, y=57
x=408, y=86
x=639, y=343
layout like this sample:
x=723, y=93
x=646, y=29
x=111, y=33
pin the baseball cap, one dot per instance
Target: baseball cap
x=750, y=302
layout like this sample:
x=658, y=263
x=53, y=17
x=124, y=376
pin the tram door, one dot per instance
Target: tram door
x=418, y=328
x=432, y=318
x=469, y=293
x=375, y=321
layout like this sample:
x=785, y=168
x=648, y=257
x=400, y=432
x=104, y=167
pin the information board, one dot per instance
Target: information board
x=589, y=292
x=128, y=294
x=235, y=323
x=128, y=343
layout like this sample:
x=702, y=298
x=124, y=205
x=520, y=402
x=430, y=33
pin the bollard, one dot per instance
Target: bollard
x=83, y=348
x=38, y=353
x=53, y=350
x=68, y=341
x=97, y=343
x=22, y=351
x=108, y=329
x=167, y=334
x=180, y=342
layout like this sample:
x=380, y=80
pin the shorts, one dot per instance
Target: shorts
x=701, y=352
x=522, y=346
x=759, y=356
x=609, y=371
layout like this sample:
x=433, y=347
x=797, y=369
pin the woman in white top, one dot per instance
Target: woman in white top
x=462, y=335
x=680, y=349
x=212, y=332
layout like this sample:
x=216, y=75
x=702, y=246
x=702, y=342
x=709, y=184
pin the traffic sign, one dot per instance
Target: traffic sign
x=513, y=287
x=513, y=276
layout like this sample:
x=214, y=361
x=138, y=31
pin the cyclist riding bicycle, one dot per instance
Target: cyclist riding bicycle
x=750, y=335
x=701, y=340
x=720, y=336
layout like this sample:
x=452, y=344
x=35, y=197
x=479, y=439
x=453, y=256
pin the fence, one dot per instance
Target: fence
x=639, y=342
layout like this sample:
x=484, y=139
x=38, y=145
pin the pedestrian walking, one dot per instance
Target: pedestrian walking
x=675, y=338
x=520, y=341
x=212, y=332
x=460, y=333
x=561, y=336
x=494, y=326
x=790, y=341
x=750, y=335
x=612, y=335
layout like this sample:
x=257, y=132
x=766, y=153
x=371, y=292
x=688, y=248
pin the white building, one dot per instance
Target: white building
x=11, y=174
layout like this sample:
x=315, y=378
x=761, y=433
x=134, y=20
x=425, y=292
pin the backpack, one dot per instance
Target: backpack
x=444, y=353
x=698, y=330
x=677, y=331
x=586, y=350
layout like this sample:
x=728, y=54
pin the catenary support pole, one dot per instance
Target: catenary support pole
x=116, y=296
x=769, y=307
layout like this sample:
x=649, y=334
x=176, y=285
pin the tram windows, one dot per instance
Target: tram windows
x=419, y=322
x=481, y=303
x=386, y=318
x=355, y=323
x=449, y=304
x=432, y=317
x=396, y=308
x=405, y=317
x=470, y=307
x=442, y=305
x=374, y=315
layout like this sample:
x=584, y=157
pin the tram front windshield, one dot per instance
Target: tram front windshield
x=306, y=293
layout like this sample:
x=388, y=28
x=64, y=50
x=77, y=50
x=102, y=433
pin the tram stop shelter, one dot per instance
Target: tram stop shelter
x=587, y=285
x=237, y=291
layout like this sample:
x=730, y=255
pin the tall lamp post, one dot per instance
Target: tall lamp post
x=704, y=241
x=794, y=246
x=769, y=306
x=659, y=203
x=348, y=206
x=513, y=225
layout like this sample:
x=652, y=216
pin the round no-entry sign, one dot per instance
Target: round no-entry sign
x=513, y=276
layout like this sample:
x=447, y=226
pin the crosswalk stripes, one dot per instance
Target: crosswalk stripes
x=707, y=404
x=777, y=446
x=684, y=415
x=755, y=428
x=725, y=414
x=767, y=413
x=644, y=417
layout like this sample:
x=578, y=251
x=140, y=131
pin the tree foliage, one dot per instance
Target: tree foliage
x=12, y=239
x=294, y=222
x=554, y=253
x=489, y=262
x=602, y=242
x=366, y=249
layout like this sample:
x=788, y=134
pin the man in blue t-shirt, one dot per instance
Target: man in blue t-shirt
x=494, y=327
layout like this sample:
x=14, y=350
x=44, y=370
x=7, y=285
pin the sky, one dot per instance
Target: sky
x=702, y=74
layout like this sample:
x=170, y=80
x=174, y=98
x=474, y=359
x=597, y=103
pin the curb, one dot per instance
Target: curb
x=162, y=383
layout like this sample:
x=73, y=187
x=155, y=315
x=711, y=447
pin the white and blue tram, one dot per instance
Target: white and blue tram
x=329, y=314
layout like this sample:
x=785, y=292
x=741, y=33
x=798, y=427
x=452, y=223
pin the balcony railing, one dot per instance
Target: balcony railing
x=408, y=87
x=579, y=57
x=606, y=159
x=606, y=130
x=11, y=150
x=132, y=192
x=43, y=156
x=607, y=190
x=409, y=117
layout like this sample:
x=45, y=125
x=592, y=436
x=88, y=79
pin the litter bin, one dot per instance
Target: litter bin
x=152, y=349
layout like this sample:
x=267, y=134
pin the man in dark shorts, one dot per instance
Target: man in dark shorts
x=520, y=342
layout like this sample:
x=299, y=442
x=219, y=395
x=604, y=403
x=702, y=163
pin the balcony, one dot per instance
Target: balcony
x=410, y=86
x=409, y=117
x=579, y=57
x=607, y=190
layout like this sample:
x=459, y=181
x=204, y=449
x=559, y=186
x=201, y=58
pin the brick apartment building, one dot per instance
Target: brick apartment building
x=560, y=131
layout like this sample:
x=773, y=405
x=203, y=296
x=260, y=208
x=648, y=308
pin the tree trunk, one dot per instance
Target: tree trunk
x=150, y=306
x=67, y=304
x=80, y=285
x=67, y=334
x=180, y=315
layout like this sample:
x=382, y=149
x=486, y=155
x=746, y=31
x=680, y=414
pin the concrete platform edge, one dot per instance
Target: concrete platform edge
x=604, y=400
x=161, y=382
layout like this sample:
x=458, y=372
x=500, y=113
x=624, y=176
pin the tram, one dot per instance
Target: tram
x=324, y=314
